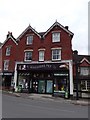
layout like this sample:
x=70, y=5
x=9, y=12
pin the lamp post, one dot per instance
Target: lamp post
x=77, y=66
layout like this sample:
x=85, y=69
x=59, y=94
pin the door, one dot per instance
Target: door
x=41, y=86
x=35, y=86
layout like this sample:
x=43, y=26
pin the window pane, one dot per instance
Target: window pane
x=28, y=55
x=8, y=51
x=56, y=54
x=84, y=70
x=56, y=37
x=6, y=64
x=30, y=39
x=41, y=55
x=83, y=85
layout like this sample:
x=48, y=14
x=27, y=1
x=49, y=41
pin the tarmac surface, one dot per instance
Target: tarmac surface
x=81, y=101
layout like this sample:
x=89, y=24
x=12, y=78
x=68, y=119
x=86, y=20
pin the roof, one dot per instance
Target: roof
x=9, y=35
x=43, y=34
x=29, y=27
x=81, y=58
x=61, y=26
x=0, y=43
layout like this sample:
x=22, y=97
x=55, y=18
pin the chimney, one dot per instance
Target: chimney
x=75, y=52
x=66, y=27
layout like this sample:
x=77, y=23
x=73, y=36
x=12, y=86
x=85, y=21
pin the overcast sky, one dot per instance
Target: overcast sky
x=16, y=15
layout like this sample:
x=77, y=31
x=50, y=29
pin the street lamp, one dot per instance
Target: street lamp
x=77, y=68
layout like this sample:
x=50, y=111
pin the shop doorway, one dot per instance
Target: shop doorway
x=35, y=86
x=7, y=82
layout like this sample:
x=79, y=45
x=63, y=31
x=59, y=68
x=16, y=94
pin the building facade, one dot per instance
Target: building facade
x=8, y=59
x=39, y=62
x=82, y=78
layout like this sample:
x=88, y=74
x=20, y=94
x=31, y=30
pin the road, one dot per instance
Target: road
x=18, y=107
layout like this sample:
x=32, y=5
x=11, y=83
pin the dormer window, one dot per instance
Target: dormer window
x=8, y=49
x=29, y=39
x=56, y=37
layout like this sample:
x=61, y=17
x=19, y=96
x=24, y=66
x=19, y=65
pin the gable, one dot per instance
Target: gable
x=29, y=28
x=59, y=25
x=9, y=37
x=84, y=62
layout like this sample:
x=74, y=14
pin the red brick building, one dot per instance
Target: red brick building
x=39, y=62
x=9, y=52
x=82, y=78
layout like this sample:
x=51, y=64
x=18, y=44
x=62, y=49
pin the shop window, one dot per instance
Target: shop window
x=56, y=37
x=41, y=55
x=28, y=55
x=59, y=85
x=56, y=54
x=6, y=64
x=29, y=39
x=23, y=80
x=8, y=49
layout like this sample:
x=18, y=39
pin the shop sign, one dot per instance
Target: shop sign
x=60, y=74
x=47, y=66
x=7, y=74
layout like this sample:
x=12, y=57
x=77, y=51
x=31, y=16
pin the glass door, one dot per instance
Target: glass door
x=35, y=86
x=49, y=87
x=41, y=86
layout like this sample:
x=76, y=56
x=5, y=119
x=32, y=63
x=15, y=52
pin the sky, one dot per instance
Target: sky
x=16, y=15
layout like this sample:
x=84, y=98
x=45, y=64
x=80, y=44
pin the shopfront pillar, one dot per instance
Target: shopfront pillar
x=15, y=77
x=71, y=77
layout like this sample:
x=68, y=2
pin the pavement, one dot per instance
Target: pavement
x=33, y=96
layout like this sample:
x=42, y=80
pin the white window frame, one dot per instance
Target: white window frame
x=6, y=64
x=56, y=37
x=55, y=49
x=86, y=85
x=28, y=51
x=41, y=55
x=29, y=39
x=8, y=51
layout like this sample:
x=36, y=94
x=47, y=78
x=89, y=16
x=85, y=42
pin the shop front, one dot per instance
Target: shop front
x=43, y=78
x=7, y=80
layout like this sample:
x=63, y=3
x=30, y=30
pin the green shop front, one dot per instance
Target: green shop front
x=44, y=78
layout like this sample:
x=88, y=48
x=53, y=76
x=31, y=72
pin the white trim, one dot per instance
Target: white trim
x=37, y=62
x=43, y=55
x=28, y=50
x=6, y=66
x=71, y=77
x=41, y=49
x=84, y=59
x=8, y=39
x=56, y=23
x=56, y=31
x=29, y=27
x=25, y=55
x=57, y=48
x=30, y=34
x=57, y=54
